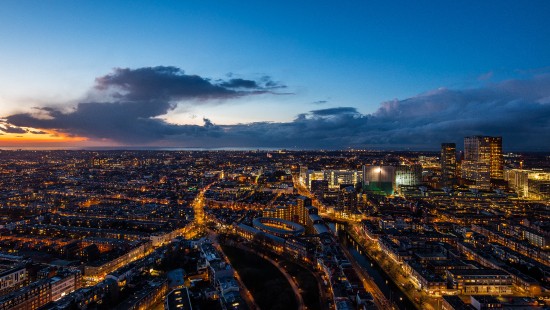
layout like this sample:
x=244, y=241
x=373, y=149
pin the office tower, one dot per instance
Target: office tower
x=497, y=160
x=448, y=164
x=482, y=160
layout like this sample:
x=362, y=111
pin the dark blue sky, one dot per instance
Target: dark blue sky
x=356, y=54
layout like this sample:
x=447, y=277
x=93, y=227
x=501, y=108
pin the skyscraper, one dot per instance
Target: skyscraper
x=448, y=164
x=497, y=160
x=482, y=160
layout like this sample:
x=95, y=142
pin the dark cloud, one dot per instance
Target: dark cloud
x=334, y=111
x=239, y=83
x=170, y=84
x=265, y=83
x=320, y=102
x=12, y=129
x=518, y=110
x=38, y=132
x=124, y=105
x=268, y=83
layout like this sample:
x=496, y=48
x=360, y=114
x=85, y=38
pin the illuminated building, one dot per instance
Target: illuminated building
x=408, y=175
x=178, y=299
x=448, y=164
x=334, y=178
x=533, y=184
x=347, y=200
x=32, y=296
x=483, y=160
x=299, y=212
x=303, y=173
x=313, y=175
x=64, y=283
x=480, y=281
x=518, y=180
x=497, y=160
x=278, y=227
x=13, y=277
x=319, y=187
x=379, y=178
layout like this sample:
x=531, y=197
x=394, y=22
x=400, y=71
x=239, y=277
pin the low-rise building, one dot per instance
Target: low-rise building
x=480, y=281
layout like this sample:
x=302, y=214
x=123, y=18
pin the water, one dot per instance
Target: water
x=386, y=285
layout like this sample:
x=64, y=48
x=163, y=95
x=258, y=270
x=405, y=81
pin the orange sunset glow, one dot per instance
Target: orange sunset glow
x=49, y=138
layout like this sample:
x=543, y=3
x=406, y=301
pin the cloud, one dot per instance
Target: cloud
x=334, y=111
x=171, y=83
x=123, y=105
x=518, y=110
x=485, y=76
x=320, y=102
x=239, y=83
x=12, y=129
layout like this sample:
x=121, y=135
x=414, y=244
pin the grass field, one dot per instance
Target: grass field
x=307, y=282
x=267, y=285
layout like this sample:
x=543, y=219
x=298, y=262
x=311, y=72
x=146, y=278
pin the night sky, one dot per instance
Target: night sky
x=281, y=74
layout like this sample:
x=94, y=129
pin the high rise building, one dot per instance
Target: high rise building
x=497, y=160
x=482, y=160
x=347, y=200
x=448, y=164
x=299, y=211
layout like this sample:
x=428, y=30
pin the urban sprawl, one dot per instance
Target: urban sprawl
x=461, y=228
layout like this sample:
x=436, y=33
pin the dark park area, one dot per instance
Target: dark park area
x=267, y=285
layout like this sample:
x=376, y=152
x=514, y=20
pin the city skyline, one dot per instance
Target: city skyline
x=214, y=75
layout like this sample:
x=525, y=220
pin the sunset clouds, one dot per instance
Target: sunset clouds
x=126, y=107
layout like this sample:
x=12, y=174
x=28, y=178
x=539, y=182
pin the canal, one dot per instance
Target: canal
x=382, y=280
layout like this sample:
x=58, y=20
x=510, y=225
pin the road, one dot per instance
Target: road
x=198, y=206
